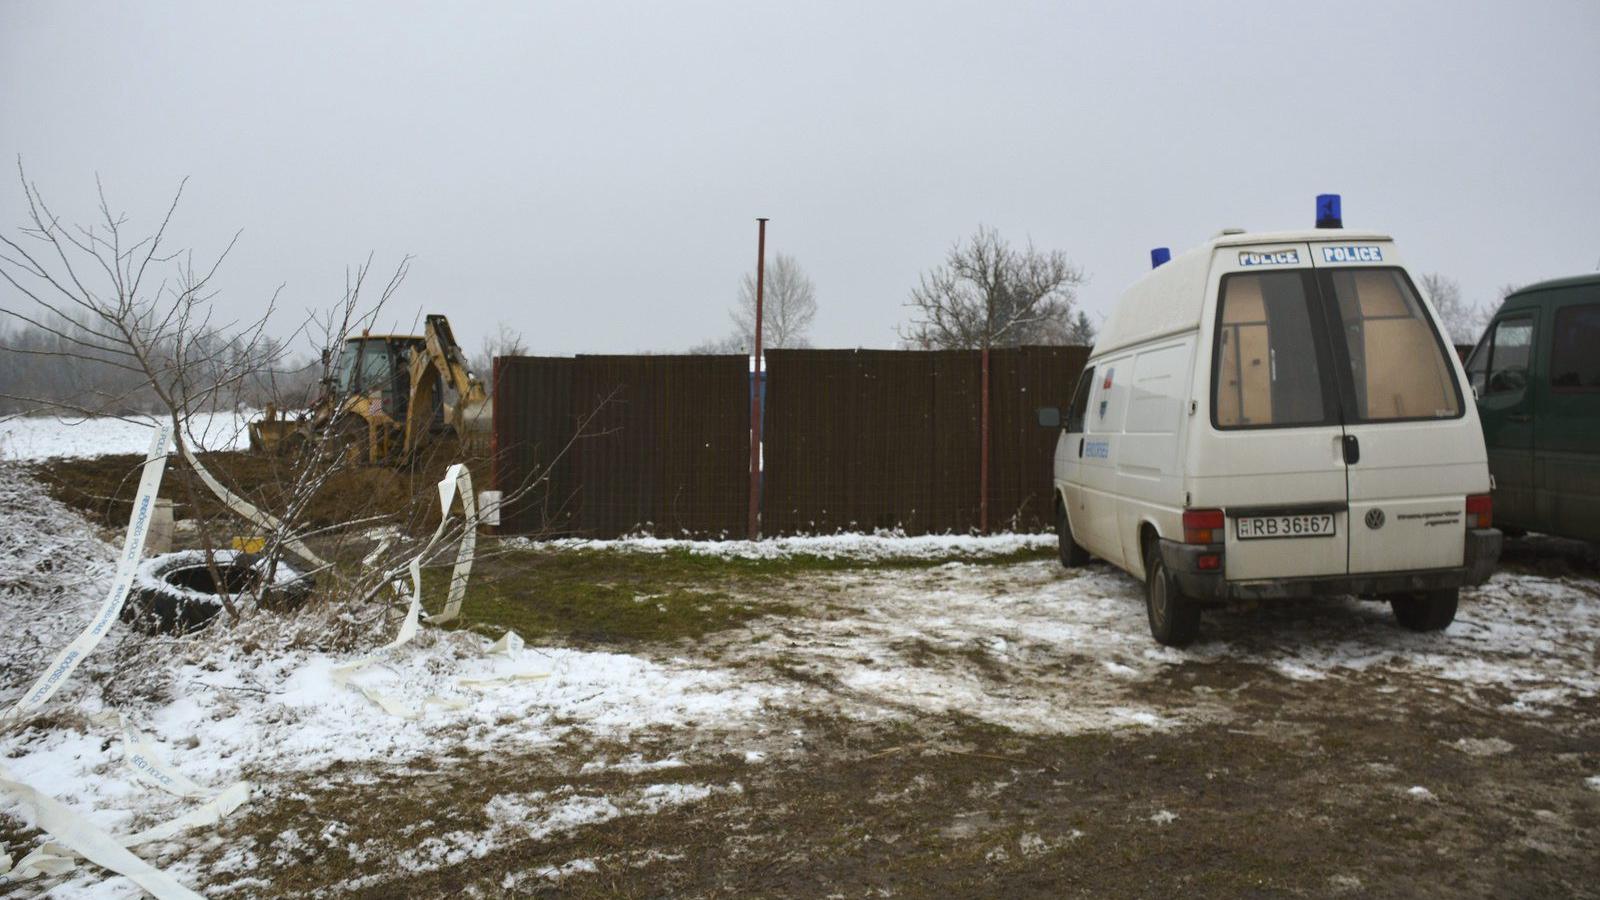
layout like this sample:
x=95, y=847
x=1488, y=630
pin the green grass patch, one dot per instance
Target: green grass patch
x=620, y=597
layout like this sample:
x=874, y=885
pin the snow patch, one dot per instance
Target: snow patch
x=879, y=544
x=35, y=438
x=1484, y=746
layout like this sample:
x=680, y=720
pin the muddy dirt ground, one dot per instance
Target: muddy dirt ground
x=1011, y=730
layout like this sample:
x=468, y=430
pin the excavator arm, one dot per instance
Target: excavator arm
x=441, y=360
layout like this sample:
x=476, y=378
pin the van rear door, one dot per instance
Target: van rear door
x=1413, y=451
x=1274, y=457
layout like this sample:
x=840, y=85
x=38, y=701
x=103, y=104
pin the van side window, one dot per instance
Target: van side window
x=1574, y=363
x=1264, y=369
x=1080, y=401
x=1478, y=363
x=1398, y=365
x=1508, y=346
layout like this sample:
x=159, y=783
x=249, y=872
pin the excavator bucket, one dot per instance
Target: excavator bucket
x=478, y=427
x=273, y=434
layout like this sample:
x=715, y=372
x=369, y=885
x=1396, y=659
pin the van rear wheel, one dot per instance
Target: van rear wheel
x=1174, y=618
x=1069, y=550
x=1426, y=610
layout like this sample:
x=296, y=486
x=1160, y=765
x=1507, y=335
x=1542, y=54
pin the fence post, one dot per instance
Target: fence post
x=983, y=443
x=755, y=386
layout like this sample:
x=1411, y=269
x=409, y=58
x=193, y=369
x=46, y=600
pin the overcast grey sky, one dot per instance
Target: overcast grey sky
x=590, y=173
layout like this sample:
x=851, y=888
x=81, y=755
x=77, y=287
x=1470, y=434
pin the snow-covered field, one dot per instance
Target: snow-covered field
x=32, y=438
x=1021, y=646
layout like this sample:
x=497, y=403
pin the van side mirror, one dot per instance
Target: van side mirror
x=1049, y=417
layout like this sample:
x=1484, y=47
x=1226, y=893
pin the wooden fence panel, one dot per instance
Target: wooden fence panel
x=653, y=443
x=856, y=440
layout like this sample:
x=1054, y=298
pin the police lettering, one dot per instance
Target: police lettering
x=1279, y=258
x=1352, y=254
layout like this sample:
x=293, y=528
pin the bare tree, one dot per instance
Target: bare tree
x=990, y=294
x=506, y=341
x=789, y=303
x=1081, y=332
x=1461, y=320
x=145, y=311
x=733, y=343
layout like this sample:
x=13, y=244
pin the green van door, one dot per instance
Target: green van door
x=1536, y=373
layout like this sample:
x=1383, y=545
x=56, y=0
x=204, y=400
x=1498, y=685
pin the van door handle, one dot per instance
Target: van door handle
x=1080, y=448
x=1352, y=450
x=1519, y=417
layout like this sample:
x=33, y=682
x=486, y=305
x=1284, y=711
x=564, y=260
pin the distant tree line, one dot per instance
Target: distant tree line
x=48, y=360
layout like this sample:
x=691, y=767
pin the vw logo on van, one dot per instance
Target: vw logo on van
x=1374, y=518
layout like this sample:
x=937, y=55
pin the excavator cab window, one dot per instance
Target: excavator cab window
x=365, y=366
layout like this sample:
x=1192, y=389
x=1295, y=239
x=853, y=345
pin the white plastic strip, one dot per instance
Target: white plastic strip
x=469, y=542
x=145, y=761
x=456, y=479
x=73, y=655
x=87, y=840
x=251, y=512
x=51, y=858
x=141, y=758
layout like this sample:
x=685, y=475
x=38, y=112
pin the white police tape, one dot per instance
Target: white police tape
x=78, y=836
x=456, y=480
x=250, y=512
x=73, y=655
x=141, y=758
x=74, y=835
x=52, y=858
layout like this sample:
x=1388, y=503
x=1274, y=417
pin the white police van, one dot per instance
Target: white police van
x=1275, y=415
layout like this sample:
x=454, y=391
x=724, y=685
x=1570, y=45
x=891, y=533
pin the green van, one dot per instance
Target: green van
x=1536, y=374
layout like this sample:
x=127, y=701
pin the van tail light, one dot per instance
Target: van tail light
x=1480, y=511
x=1203, y=526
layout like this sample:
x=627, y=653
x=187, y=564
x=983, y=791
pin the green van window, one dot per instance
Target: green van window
x=1574, y=365
x=1509, y=345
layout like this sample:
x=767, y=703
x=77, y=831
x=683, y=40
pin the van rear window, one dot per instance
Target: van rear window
x=1397, y=362
x=1265, y=371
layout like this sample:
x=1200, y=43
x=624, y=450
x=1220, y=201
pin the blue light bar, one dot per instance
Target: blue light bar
x=1328, y=214
x=1160, y=255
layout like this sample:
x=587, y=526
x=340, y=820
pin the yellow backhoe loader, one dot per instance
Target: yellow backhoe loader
x=387, y=396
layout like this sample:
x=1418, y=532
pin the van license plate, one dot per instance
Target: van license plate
x=1251, y=528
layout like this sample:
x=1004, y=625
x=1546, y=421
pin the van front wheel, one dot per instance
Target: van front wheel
x=1174, y=618
x=1071, y=552
x=1426, y=610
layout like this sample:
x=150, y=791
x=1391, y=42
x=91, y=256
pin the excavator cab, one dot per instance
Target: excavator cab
x=376, y=384
x=379, y=367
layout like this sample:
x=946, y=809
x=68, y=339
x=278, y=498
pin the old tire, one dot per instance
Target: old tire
x=1427, y=610
x=1071, y=553
x=1174, y=618
x=176, y=593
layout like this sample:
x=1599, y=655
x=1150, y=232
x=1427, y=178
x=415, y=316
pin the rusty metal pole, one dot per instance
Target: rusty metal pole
x=755, y=385
x=983, y=444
